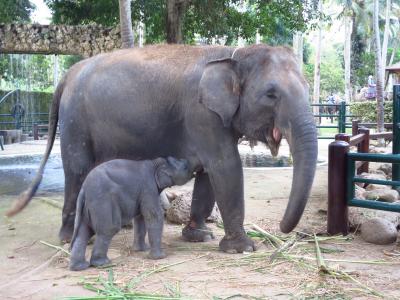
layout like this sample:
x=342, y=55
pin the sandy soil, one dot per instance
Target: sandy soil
x=30, y=269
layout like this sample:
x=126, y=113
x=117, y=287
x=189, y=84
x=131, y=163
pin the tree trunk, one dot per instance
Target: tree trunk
x=126, y=23
x=175, y=13
x=385, y=40
x=378, y=69
x=317, y=66
x=347, y=56
x=298, y=47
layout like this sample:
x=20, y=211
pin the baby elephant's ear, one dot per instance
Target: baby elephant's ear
x=163, y=178
x=219, y=89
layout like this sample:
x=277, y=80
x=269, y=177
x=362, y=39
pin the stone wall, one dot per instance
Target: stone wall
x=85, y=40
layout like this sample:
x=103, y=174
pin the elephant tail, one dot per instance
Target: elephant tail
x=26, y=196
x=80, y=202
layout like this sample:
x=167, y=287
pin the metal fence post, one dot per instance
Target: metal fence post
x=396, y=130
x=342, y=117
x=337, y=202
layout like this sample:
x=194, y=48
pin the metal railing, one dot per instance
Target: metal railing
x=341, y=117
x=7, y=121
x=343, y=167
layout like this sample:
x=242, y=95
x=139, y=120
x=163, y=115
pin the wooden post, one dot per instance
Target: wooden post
x=354, y=127
x=342, y=137
x=337, y=202
x=35, y=132
x=363, y=147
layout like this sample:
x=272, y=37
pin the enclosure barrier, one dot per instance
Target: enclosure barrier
x=37, y=128
x=341, y=116
x=8, y=121
x=342, y=167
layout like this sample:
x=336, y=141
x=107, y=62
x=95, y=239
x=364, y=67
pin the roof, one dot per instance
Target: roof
x=394, y=68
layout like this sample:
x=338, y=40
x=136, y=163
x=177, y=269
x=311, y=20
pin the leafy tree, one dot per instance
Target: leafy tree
x=275, y=20
x=15, y=11
x=332, y=71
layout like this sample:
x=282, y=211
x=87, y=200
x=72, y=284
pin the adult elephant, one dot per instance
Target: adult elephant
x=187, y=102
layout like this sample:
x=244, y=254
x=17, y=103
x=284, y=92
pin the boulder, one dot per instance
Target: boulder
x=379, y=231
x=386, y=168
x=179, y=211
x=383, y=195
x=372, y=186
x=359, y=192
x=359, y=215
x=373, y=176
x=380, y=150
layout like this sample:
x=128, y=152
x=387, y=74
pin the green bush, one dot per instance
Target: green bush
x=366, y=111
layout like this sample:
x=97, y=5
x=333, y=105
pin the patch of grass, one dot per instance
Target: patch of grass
x=106, y=288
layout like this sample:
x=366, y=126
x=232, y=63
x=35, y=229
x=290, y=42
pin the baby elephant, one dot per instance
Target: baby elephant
x=116, y=192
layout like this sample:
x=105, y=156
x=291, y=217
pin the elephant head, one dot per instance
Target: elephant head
x=260, y=92
x=171, y=171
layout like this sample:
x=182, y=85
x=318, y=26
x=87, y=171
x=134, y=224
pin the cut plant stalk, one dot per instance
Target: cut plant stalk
x=277, y=241
x=322, y=268
x=55, y=247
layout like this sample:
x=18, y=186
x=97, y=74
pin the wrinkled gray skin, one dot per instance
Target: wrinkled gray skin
x=113, y=194
x=191, y=102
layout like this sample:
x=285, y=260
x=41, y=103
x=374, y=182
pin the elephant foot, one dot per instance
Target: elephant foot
x=78, y=266
x=140, y=247
x=99, y=261
x=159, y=254
x=239, y=244
x=193, y=233
x=65, y=234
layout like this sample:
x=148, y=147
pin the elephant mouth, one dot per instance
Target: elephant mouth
x=273, y=138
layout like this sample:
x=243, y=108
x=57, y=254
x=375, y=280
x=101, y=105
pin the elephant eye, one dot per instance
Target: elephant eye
x=271, y=93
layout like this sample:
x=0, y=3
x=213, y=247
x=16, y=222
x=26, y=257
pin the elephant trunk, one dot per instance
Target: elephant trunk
x=302, y=139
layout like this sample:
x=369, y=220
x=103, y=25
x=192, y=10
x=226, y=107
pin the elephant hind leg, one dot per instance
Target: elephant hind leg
x=78, y=261
x=100, y=249
x=78, y=160
x=73, y=185
x=203, y=202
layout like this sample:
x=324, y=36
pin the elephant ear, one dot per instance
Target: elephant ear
x=163, y=177
x=219, y=89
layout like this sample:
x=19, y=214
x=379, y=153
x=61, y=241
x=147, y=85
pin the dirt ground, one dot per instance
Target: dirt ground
x=30, y=269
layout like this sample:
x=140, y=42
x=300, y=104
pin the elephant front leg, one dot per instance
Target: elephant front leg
x=202, y=205
x=226, y=177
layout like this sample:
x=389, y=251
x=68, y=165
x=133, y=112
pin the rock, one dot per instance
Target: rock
x=384, y=195
x=359, y=192
x=171, y=195
x=378, y=231
x=380, y=150
x=179, y=211
x=379, y=172
x=372, y=176
x=372, y=186
x=386, y=168
x=359, y=215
